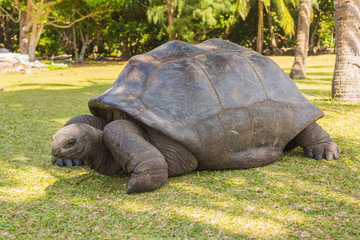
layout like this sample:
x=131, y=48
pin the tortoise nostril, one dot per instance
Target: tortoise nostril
x=55, y=152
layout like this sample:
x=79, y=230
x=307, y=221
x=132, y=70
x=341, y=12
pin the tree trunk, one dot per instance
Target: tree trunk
x=6, y=32
x=36, y=26
x=272, y=34
x=75, y=48
x=85, y=43
x=3, y=27
x=127, y=53
x=313, y=27
x=170, y=15
x=260, y=32
x=24, y=33
x=298, y=69
x=312, y=47
x=34, y=39
x=346, y=80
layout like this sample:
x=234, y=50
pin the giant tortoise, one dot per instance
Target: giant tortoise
x=184, y=107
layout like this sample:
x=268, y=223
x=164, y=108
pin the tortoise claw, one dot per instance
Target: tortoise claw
x=309, y=154
x=60, y=162
x=328, y=150
x=79, y=162
x=318, y=156
x=68, y=163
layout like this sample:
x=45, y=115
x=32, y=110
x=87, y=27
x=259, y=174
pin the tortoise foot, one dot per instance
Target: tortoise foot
x=146, y=181
x=317, y=143
x=328, y=151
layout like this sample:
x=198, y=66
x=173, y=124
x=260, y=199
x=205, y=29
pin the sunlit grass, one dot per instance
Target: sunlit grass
x=294, y=198
x=72, y=78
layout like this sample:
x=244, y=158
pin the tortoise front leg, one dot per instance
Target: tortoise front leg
x=147, y=166
x=317, y=143
x=93, y=121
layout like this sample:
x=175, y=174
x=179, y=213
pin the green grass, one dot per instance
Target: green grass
x=294, y=198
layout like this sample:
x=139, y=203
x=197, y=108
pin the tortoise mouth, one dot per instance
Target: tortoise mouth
x=66, y=155
x=63, y=153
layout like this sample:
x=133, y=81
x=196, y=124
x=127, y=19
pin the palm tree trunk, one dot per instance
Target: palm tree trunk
x=346, y=80
x=272, y=34
x=313, y=28
x=170, y=15
x=260, y=33
x=298, y=69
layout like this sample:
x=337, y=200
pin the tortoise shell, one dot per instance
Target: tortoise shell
x=225, y=103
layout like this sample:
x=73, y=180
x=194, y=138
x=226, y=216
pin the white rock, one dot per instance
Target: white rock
x=15, y=62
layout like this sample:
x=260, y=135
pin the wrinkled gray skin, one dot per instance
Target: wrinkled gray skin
x=183, y=107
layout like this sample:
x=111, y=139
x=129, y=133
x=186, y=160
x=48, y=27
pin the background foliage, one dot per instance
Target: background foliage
x=123, y=28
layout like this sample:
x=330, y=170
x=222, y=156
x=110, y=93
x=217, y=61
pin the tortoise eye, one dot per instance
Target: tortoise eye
x=71, y=143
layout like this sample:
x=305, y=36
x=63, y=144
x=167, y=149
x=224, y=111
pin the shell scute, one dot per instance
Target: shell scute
x=285, y=114
x=232, y=78
x=262, y=115
x=174, y=50
x=277, y=85
x=215, y=43
x=180, y=91
x=237, y=125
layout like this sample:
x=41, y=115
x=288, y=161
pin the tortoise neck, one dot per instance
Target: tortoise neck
x=99, y=157
x=115, y=114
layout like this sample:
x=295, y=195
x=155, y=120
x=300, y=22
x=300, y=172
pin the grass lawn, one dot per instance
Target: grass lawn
x=294, y=198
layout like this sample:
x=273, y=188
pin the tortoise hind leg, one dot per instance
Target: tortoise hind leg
x=179, y=159
x=317, y=143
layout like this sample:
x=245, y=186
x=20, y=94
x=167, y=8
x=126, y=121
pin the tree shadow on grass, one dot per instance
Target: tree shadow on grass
x=308, y=81
x=310, y=74
x=318, y=67
x=294, y=197
x=291, y=198
x=46, y=85
x=274, y=201
x=280, y=198
x=316, y=93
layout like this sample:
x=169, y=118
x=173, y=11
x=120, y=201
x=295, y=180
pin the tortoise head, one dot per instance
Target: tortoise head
x=77, y=141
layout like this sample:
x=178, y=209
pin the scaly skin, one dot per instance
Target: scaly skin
x=81, y=142
x=93, y=121
x=317, y=143
x=122, y=139
x=139, y=158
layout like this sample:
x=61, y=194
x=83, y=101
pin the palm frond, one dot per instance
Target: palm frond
x=243, y=7
x=314, y=4
x=267, y=4
x=156, y=14
x=286, y=20
x=293, y=3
